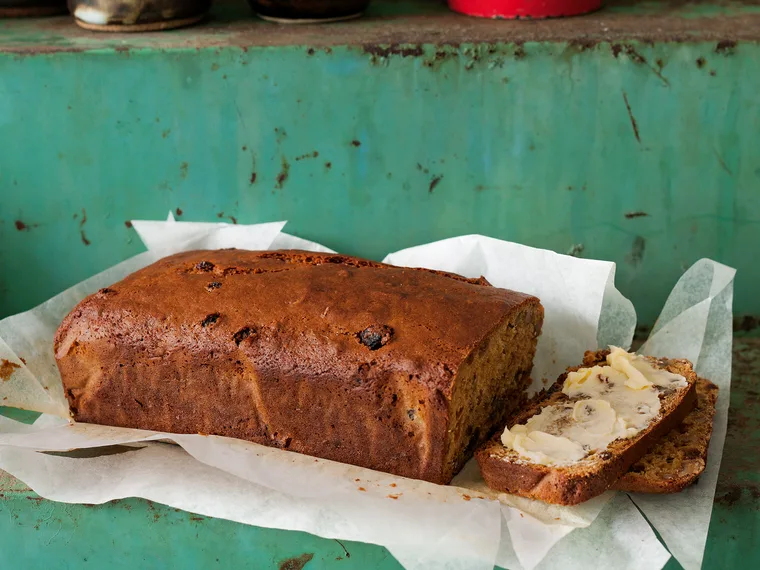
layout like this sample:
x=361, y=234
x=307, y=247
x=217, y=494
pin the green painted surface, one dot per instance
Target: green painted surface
x=548, y=140
x=546, y=143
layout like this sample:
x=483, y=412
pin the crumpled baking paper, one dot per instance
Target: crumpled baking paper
x=461, y=526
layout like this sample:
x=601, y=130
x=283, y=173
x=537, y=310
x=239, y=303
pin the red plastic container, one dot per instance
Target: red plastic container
x=528, y=9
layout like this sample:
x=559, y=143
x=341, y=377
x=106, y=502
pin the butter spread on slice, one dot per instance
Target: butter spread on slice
x=614, y=401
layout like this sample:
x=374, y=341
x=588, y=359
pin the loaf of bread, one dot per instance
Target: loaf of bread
x=401, y=370
x=576, y=440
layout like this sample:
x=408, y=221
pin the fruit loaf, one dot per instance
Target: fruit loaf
x=401, y=370
x=679, y=458
x=575, y=440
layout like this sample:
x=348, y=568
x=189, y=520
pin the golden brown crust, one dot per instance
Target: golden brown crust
x=324, y=354
x=679, y=458
x=503, y=471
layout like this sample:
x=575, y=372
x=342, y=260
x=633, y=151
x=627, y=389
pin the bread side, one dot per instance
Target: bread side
x=679, y=458
x=504, y=470
x=389, y=368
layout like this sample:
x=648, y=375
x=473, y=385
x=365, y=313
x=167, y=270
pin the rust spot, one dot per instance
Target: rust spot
x=434, y=182
x=220, y=214
x=282, y=177
x=328, y=165
x=637, y=58
x=356, y=143
x=726, y=47
x=701, y=62
x=128, y=223
x=403, y=50
x=310, y=51
x=582, y=44
x=638, y=214
x=252, y=181
x=466, y=497
x=314, y=154
x=179, y=211
x=37, y=500
x=297, y=562
x=84, y=218
x=197, y=518
x=634, y=56
x=632, y=118
x=183, y=170
x=165, y=133
x=712, y=73
x=233, y=219
x=85, y=241
x=6, y=369
x=22, y=359
x=362, y=489
x=393, y=485
x=519, y=52
x=394, y=497
x=21, y=226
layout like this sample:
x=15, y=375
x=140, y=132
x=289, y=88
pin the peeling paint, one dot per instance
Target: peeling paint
x=434, y=182
x=725, y=47
x=282, y=177
x=297, y=562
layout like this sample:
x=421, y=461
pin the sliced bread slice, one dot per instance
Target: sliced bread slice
x=679, y=458
x=571, y=480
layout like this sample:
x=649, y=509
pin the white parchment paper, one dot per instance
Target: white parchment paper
x=461, y=526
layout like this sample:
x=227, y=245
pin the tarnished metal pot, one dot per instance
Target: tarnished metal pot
x=308, y=11
x=137, y=15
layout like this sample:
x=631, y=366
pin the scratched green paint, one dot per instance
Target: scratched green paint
x=530, y=143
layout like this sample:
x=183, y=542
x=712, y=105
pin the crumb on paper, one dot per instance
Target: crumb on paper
x=362, y=489
x=6, y=369
x=393, y=484
x=203, y=434
x=357, y=480
x=466, y=497
x=522, y=515
x=394, y=497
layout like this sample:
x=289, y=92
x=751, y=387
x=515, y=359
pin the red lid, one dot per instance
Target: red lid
x=515, y=9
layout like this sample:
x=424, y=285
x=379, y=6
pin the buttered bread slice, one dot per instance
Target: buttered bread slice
x=575, y=440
